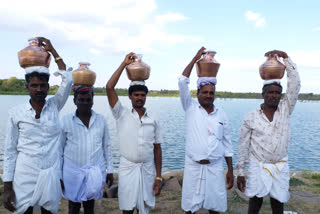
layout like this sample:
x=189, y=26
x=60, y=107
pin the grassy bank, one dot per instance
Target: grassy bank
x=304, y=191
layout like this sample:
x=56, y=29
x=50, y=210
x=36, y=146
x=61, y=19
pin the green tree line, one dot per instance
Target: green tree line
x=16, y=86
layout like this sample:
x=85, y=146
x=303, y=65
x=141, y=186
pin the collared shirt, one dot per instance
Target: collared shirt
x=137, y=136
x=269, y=141
x=39, y=139
x=84, y=145
x=208, y=135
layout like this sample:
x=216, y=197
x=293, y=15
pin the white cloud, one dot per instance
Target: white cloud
x=308, y=59
x=255, y=18
x=170, y=17
x=99, y=25
x=316, y=29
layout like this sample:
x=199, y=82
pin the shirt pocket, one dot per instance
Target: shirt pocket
x=219, y=130
x=149, y=132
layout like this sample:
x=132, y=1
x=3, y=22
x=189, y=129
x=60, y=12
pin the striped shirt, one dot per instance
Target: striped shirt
x=269, y=141
x=37, y=139
x=84, y=145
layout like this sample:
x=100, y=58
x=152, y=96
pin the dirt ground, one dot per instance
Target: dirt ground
x=304, y=190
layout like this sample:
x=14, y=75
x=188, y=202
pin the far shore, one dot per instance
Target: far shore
x=175, y=93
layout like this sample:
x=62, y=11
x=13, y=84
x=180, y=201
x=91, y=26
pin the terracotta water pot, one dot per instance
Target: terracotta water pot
x=34, y=55
x=138, y=70
x=207, y=66
x=83, y=75
x=272, y=68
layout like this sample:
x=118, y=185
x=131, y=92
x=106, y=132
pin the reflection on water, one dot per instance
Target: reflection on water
x=304, y=150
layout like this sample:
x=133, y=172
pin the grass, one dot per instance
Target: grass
x=296, y=182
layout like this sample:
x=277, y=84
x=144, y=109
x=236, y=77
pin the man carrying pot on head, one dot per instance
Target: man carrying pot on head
x=32, y=150
x=264, y=141
x=87, y=153
x=140, y=150
x=208, y=142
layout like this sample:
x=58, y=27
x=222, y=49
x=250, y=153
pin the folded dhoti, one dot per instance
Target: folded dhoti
x=268, y=179
x=83, y=183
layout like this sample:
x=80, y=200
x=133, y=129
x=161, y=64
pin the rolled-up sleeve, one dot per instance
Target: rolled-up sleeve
x=243, y=146
x=10, y=150
x=158, y=136
x=117, y=110
x=293, y=85
x=227, y=138
x=185, y=96
x=60, y=98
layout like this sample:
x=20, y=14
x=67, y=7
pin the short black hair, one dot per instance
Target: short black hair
x=40, y=76
x=82, y=92
x=134, y=88
x=266, y=86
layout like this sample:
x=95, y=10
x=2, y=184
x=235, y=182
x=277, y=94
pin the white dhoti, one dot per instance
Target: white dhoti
x=36, y=187
x=136, y=185
x=204, y=186
x=83, y=183
x=268, y=179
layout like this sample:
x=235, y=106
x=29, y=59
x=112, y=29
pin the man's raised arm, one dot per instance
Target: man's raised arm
x=185, y=96
x=110, y=87
x=60, y=98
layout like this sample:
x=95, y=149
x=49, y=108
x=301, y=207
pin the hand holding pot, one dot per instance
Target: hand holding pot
x=279, y=53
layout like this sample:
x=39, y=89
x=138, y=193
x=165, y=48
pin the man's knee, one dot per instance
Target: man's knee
x=276, y=206
x=127, y=211
x=254, y=205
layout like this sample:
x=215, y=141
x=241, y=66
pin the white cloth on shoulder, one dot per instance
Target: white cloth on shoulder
x=136, y=185
x=39, y=69
x=141, y=82
x=206, y=81
x=83, y=183
x=268, y=179
x=266, y=82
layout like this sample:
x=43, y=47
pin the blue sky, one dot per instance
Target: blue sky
x=168, y=34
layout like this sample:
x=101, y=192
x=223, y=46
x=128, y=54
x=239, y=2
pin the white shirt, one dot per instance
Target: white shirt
x=38, y=139
x=137, y=136
x=208, y=135
x=84, y=145
x=269, y=141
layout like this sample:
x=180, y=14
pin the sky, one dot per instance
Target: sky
x=168, y=33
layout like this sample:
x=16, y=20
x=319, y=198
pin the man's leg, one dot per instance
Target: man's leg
x=74, y=208
x=213, y=212
x=44, y=211
x=277, y=206
x=127, y=211
x=29, y=210
x=88, y=207
x=254, y=205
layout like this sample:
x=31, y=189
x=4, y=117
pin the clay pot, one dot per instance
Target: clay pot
x=207, y=66
x=138, y=70
x=272, y=68
x=34, y=55
x=83, y=75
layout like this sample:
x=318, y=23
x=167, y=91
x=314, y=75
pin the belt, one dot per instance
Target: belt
x=203, y=162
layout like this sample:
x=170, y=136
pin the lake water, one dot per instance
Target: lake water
x=304, y=150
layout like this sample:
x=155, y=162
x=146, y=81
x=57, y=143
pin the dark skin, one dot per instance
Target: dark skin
x=271, y=101
x=138, y=99
x=38, y=90
x=84, y=103
x=205, y=97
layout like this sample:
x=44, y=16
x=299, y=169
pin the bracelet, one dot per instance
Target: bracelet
x=57, y=58
x=158, y=179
